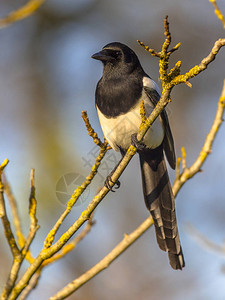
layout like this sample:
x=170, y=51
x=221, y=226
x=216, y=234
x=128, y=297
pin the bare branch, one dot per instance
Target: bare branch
x=203, y=241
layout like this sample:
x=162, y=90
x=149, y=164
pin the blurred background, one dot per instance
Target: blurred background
x=47, y=78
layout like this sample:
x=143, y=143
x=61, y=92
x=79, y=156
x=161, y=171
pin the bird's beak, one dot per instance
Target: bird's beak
x=102, y=55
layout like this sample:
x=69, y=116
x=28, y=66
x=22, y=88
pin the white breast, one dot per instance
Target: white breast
x=118, y=130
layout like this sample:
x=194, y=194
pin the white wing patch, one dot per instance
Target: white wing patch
x=149, y=83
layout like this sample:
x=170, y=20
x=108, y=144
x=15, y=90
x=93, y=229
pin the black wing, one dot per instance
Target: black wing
x=168, y=143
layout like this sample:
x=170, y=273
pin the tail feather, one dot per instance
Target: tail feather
x=159, y=200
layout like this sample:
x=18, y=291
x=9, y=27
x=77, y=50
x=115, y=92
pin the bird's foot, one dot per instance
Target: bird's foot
x=140, y=145
x=109, y=180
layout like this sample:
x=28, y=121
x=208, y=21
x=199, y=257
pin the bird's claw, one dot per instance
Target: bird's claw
x=139, y=145
x=107, y=183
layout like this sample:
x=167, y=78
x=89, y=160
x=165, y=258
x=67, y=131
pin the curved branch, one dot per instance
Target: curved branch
x=206, y=149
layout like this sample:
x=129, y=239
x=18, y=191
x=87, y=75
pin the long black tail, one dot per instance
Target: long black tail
x=159, y=200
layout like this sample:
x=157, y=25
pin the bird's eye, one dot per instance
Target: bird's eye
x=117, y=54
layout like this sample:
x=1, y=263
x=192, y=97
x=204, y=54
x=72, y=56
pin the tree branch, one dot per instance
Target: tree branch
x=203, y=241
x=3, y=215
x=105, y=262
x=78, y=192
x=65, y=250
x=218, y=12
x=22, y=13
x=127, y=241
x=168, y=82
x=20, y=255
x=15, y=216
x=206, y=149
x=74, y=285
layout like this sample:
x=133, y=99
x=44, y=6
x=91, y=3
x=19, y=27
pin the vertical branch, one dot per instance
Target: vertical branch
x=3, y=215
x=10, y=238
x=15, y=214
x=18, y=256
x=33, y=219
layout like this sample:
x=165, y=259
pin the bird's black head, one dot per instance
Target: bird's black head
x=117, y=56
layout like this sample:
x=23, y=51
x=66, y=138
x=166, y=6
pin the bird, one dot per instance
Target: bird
x=119, y=92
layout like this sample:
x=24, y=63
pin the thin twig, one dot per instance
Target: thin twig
x=90, y=129
x=33, y=219
x=183, y=152
x=18, y=259
x=15, y=214
x=22, y=13
x=206, y=149
x=3, y=215
x=147, y=48
x=65, y=250
x=203, y=241
x=202, y=66
x=10, y=238
x=31, y=286
x=77, y=193
x=178, y=167
x=72, y=245
x=218, y=12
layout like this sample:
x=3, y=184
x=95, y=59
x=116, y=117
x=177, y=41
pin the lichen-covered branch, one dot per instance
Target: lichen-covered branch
x=90, y=129
x=218, y=12
x=21, y=13
x=65, y=250
x=72, y=245
x=15, y=217
x=54, y=251
x=188, y=173
x=51, y=249
x=122, y=246
x=74, y=285
x=105, y=262
x=3, y=215
x=33, y=219
x=77, y=193
x=19, y=256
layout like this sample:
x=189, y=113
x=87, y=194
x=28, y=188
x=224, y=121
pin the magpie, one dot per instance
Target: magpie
x=118, y=96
